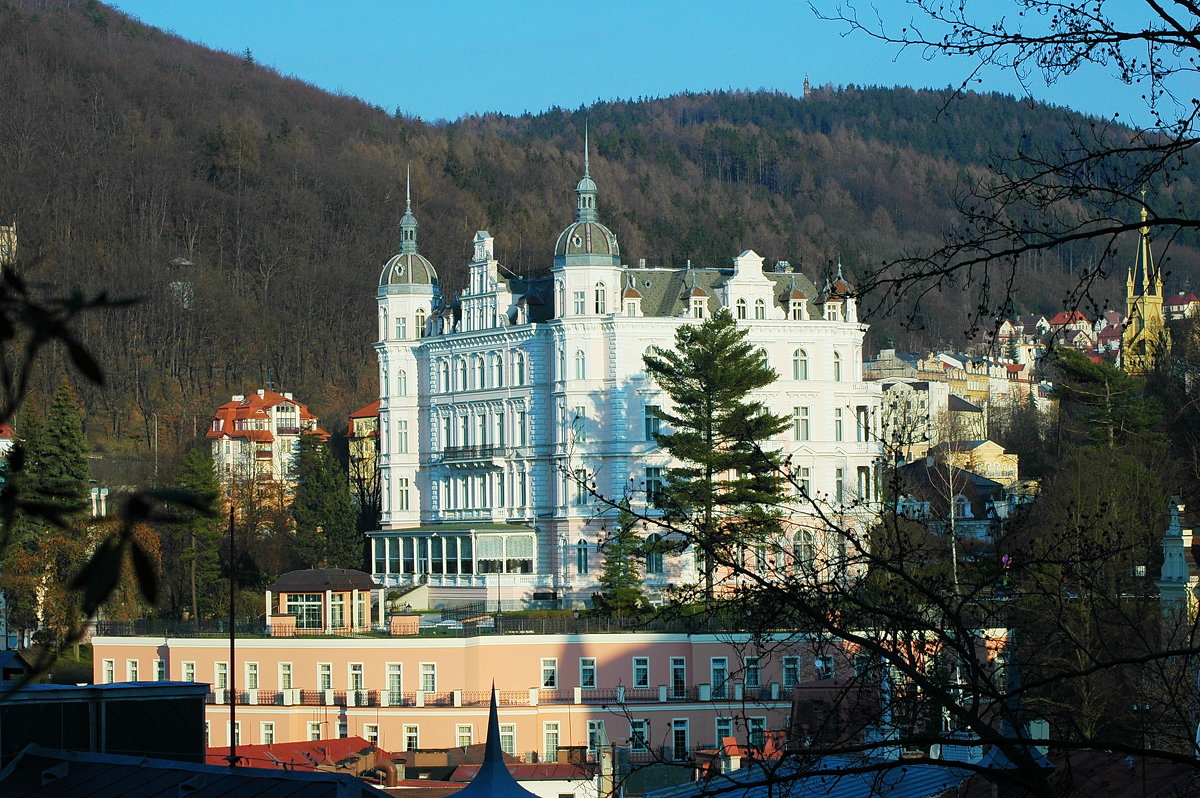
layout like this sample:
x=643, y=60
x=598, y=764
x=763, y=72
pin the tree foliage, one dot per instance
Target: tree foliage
x=196, y=539
x=620, y=580
x=726, y=489
x=326, y=530
x=1040, y=199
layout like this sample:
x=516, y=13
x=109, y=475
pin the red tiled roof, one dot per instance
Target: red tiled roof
x=541, y=771
x=1182, y=299
x=254, y=406
x=369, y=411
x=307, y=755
x=1067, y=317
x=6, y=431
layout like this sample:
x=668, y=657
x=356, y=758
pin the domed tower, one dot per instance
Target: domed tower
x=408, y=293
x=587, y=259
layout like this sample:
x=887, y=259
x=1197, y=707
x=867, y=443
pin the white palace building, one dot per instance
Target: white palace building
x=496, y=406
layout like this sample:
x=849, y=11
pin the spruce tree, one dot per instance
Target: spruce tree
x=727, y=488
x=200, y=535
x=620, y=581
x=326, y=530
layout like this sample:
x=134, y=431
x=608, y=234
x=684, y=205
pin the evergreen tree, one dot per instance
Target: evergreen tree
x=56, y=470
x=326, y=532
x=727, y=488
x=199, y=535
x=50, y=481
x=620, y=582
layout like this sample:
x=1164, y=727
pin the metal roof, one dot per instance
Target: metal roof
x=39, y=771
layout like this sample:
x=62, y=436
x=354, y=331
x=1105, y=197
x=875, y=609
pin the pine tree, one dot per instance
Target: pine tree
x=326, y=532
x=620, y=582
x=727, y=488
x=200, y=535
x=50, y=481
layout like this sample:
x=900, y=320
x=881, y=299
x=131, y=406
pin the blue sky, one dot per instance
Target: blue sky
x=441, y=60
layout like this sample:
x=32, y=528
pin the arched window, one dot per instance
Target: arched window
x=654, y=556
x=519, y=369
x=402, y=383
x=444, y=376
x=804, y=549
x=480, y=373
x=383, y=381
x=580, y=365
x=420, y=323
x=581, y=557
x=560, y=298
x=760, y=309
x=799, y=365
x=741, y=308
x=837, y=366
x=498, y=370
x=601, y=300
x=461, y=376
x=383, y=317
x=561, y=372
x=962, y=507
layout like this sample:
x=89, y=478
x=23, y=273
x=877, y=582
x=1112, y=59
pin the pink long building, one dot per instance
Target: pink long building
x=664, y=693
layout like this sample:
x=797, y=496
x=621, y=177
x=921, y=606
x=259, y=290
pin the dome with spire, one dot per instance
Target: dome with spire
x=586, y=237
x=408, y=267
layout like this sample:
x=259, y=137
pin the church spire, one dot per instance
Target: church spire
x=585, y=189
x=408, y=222
x=1145, y=336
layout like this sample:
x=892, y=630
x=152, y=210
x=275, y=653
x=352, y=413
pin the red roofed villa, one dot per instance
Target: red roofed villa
x=258, y=437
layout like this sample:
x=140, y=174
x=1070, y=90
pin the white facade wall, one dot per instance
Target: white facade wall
x=489, y=460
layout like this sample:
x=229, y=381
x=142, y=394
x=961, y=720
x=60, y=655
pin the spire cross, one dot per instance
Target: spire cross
x=585, y=149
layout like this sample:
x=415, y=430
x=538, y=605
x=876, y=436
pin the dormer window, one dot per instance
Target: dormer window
x=699, y=304
x=833, y=311
x=631, y=307
x=797, y=309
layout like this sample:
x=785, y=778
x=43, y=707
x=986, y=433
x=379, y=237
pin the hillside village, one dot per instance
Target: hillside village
x=572, y=454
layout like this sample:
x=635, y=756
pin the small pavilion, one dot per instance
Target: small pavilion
x=324, y=601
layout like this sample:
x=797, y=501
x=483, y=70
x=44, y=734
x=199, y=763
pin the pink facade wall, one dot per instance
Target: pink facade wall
x=469, y=665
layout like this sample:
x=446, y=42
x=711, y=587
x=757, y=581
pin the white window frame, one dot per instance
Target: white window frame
x=266, y=732
x=587, y=665
x=313, y=730
x=324, y=675
x=108, y=671
x=549, y=669
x=464, y=731
x=428, y=677
x=641, y=683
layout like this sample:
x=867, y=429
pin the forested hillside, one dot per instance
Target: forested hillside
x=252, y=212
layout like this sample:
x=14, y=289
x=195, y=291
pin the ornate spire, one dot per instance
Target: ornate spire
x=408, y=222
x=585, y=189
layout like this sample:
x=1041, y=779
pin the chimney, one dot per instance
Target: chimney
x=641, y=263
x=260, y=393
x=782, y=266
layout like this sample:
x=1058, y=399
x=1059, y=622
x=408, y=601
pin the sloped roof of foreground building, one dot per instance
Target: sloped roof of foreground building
x=39, y=771
x=789, y=778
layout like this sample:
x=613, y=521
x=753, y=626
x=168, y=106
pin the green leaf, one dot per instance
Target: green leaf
x=147, y=574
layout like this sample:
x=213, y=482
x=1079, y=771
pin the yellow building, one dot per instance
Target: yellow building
x=1145, y=336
